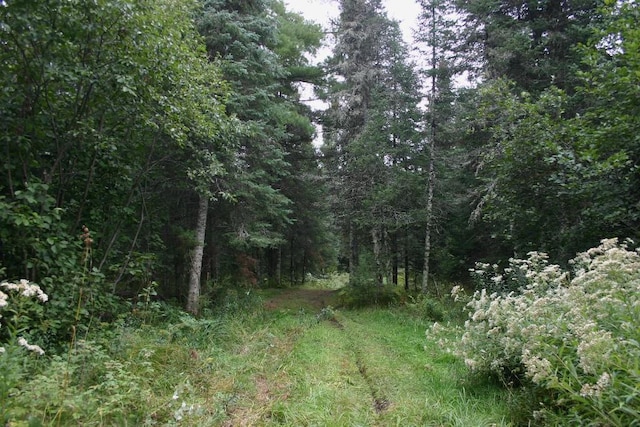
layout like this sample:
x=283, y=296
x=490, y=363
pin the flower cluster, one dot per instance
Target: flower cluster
x=21, y=289
x=31, y=347
x=24, y=288
x=575, y=334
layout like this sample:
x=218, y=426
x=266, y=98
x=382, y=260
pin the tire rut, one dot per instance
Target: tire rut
x=380, y=402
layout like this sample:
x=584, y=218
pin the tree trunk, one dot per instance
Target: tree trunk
x=406, y=261
x=193, y=299
x=279, y=266
x=394, y=258
x=353, y=253
x=376, y=236
x=304, y=267
x=292, y=271
x=432, y=147
x=427, y=239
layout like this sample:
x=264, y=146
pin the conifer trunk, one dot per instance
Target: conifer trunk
x=279, y=266
x=195, y=271
x=406, y=259
x=429, y=213
x=376, y=236
x=353, y=253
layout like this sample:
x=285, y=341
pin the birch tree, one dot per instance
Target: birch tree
x=437, y=38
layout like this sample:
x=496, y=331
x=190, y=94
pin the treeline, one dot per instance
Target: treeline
x=162, y=144
x=509, y=127
x=170, y=135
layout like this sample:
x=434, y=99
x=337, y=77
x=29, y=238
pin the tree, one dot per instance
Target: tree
x=261, y=47
x=370, y=138
x=550, y=182
x=436, y=33
x=354, y=67
x=100, y=99
x=529, y=42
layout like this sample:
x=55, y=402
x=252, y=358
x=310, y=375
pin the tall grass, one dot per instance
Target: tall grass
x=244, y=365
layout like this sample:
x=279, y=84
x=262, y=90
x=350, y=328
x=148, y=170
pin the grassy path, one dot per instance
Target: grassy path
x=302, y=365
x=284, y=359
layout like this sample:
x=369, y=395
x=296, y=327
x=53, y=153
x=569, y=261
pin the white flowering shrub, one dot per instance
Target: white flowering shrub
x=19, y=305
x=575, y=336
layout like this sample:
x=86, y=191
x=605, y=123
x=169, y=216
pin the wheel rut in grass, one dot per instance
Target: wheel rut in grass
x=380, y=402
x=321, y=300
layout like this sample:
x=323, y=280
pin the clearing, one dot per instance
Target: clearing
x=303, y=363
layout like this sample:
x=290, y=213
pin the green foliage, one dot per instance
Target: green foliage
x=529, y=42
x=88, y=387
x=274, y=368
x=228, y=300
x=20, y=309
x=369, y=295
x=275, y=216
x=45, y=252
x=99, y=99
x=558, y=166
x=430, y=308
x=372, y=146
x=569, y=335
x=35, y=241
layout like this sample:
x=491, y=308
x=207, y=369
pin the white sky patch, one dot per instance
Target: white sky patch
x=323, y=11
x=406, y=12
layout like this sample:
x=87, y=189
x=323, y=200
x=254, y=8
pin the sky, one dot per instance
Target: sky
x=321, y=11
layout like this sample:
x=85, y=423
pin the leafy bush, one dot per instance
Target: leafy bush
x=370, y=295
x=87, y=387
x=38, y=244
x=19, y=306
x=572, y=335
x=428, y=307
x=229, y=300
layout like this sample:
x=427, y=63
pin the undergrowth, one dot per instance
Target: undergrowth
x=243, y=365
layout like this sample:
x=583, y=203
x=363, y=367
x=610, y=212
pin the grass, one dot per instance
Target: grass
x=290, y=364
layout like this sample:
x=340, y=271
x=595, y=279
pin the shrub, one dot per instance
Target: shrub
x=19, y=306
x=368, y=295
x=427, y=307
x=573, y=335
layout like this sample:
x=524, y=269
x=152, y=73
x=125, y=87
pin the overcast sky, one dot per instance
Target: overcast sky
x=321, y=11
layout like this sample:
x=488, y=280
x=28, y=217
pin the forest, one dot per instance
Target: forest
x=163, y=174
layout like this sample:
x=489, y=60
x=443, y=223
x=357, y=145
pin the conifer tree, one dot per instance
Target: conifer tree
x=370, y=132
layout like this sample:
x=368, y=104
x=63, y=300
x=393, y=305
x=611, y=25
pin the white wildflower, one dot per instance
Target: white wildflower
x=26, y=289
x=538, y=368
x=471, y=364
x=594, y=350
x=436, y=328
x=31, y=347
x=2, y=350
x=595, y=390
x=479, y=316
x=456, y=291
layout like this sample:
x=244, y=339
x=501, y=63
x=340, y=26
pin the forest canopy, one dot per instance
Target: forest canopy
x=172, y=136
x=161, y=177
